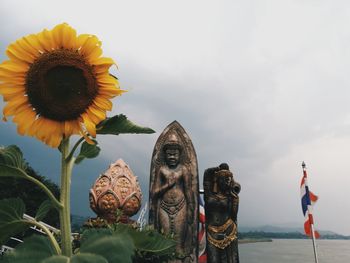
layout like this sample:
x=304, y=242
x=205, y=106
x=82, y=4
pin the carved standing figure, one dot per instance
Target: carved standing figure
x=221, y=208
x=174, y=190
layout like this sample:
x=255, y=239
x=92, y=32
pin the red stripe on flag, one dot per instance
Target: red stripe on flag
x=302, y=181
x=313, y=197
x=202, y=259
x=311, y=219
x=307, y=227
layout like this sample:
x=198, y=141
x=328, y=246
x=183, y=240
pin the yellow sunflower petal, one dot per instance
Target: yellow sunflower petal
x=53, y=141
x=92, y=117
x=13, y=105
x=45, y=40
x=95, y=114
x=32, y=129
x=102, y=103
x=95, y=53
x=71, y=127
x=9, y=97
x=81, y=39
x=10, y=77
x=37, y=128
x=89, y=124
x=6, y=90
x=103, y=62
x=64, y=36
x=28, y=48
x=15, y=67
x=57, y=35
x=47, y=131
x=110, y=91
x=12, y=80
x=34, y=42
x=54, y=138
x=15, y=52
x=24, y=120
x=101, y=70
x=87, y=138
x=107, y=79
x=91, y=48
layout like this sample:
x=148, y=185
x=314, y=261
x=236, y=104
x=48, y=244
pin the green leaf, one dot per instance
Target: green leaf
x=79, y=258
x=43, y=209
x=115, y=248
x=12, y=156
x=119, y=124
x=12, y=163
x=148, y=241
x=87, y=151
x=11, y=218
x=33, y=250
x=57, y=259
x=10, y=171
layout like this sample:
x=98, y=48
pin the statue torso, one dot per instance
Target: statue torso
x=220, y=210
x=175, y=194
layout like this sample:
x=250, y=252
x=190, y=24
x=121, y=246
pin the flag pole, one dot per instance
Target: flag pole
x=311, y=220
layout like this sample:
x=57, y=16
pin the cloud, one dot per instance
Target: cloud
x=260, y=85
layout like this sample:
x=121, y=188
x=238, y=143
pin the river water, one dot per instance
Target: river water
x=295, y=251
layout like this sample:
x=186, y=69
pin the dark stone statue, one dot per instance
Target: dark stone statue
x=221, y=207
x=174, y=191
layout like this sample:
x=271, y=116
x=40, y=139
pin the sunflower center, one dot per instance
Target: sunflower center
x=61, y=85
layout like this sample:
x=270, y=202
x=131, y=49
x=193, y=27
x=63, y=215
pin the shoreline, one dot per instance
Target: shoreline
x=252, y=240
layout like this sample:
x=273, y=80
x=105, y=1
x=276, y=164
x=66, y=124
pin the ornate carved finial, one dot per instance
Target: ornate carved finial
x=117, y=188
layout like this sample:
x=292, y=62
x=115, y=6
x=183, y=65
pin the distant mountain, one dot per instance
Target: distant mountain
x=269, y=228
x=77, y=222
x=279, y=229
x=268, y=231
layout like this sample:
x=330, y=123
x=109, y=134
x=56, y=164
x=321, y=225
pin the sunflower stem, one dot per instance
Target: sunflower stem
x=70, y=156
x=65, y=223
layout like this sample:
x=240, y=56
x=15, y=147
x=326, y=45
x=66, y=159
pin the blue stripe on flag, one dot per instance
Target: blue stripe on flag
x=304, y=204
x=307, y=194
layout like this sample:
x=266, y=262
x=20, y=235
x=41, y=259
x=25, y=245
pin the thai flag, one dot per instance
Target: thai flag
x=308, y=199
x=202, y=254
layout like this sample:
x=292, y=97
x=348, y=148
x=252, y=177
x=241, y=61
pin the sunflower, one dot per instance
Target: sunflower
x=56, y=84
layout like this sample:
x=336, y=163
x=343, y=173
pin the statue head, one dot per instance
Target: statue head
x=224, y=180
x=172, y=150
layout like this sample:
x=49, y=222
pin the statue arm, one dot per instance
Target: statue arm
x=159, y=188
x=208, y=180
x=234, y=208
x=189, y=194
x=236, y=188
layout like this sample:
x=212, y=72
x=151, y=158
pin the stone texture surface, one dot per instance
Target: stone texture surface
x=116, y=188
x=221, y=208
x=174, y=191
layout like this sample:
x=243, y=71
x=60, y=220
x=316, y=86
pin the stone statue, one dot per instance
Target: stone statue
x=174, y=191
x=117, y=188
x=221, y=207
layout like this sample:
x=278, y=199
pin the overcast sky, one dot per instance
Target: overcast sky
x=261, y=85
